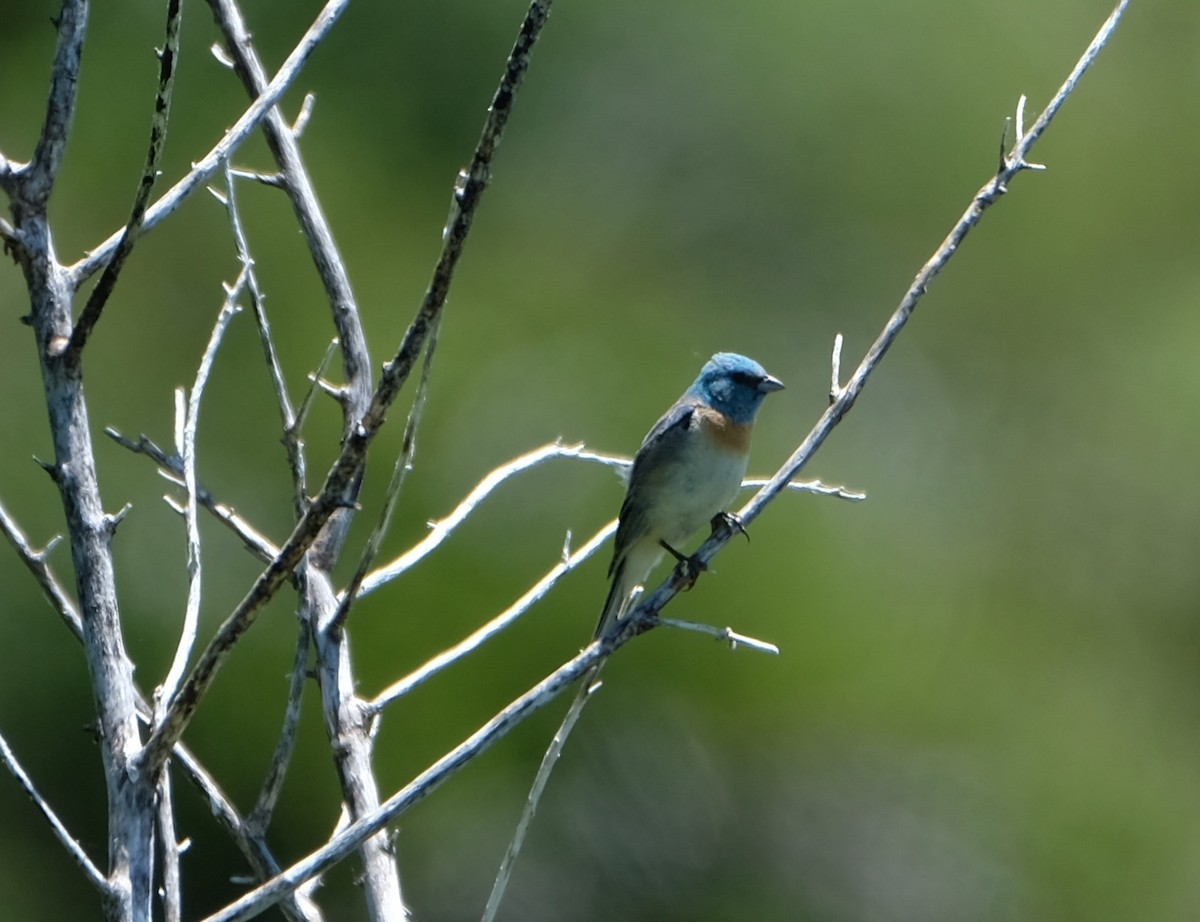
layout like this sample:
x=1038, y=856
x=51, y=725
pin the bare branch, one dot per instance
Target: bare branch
x=74, y=849
x=1026, y=140
x=442, y=529
x=644, y=615
x=549, y=760
x=724, y=634
x=816, y=487
x=282, y=140
x=298, y=907
x=348, y=734
x=254, y=848
x=570, y=561
x=167, y=59
x=467, y=195
x=171, y=467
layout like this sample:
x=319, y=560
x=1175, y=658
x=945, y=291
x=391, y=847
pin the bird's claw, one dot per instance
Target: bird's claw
x=728, y=521
x=687, y=571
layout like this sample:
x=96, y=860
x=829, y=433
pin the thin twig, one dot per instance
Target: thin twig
x=442, y=529
x=549, y=760
x=726, y=635
x=299, y=907
x=293, y=446
x=167, y=59
x=408, y=449
x=264, y=807
x=314, y=386
x=816, y=487
x=74, y=849
x=171, y=467
x=35, y=561
x=187, y=418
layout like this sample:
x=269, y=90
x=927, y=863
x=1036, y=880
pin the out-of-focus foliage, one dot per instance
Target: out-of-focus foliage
x=987, y=703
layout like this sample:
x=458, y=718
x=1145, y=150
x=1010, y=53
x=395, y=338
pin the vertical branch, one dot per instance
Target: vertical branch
x=38, y=176
x=172, y=883
x=130, y=795
x=187, y=416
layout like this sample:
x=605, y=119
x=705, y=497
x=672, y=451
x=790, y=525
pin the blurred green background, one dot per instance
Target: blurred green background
x=987, y=706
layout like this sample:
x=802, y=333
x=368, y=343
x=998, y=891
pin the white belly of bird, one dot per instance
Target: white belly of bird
x=712, y=477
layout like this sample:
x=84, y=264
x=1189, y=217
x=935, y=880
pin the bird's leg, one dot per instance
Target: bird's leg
x=729, y=521
x=687, y=569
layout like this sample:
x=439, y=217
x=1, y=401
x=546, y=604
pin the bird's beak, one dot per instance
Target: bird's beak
x=769, y=384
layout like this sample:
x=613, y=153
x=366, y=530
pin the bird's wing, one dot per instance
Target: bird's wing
x=649, y=466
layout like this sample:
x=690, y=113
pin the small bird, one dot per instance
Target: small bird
x=689, y=468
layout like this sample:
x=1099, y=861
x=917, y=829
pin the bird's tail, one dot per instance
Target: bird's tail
x=618, y=597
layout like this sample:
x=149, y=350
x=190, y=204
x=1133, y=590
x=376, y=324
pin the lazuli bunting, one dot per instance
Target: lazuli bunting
x=689, y=468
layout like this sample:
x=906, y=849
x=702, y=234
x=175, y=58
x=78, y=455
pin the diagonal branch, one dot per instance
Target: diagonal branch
x=842, y=398
x=331, y=268
x=167, y=59
x=348, y=839
x=443, y=528
x=35, y=561
x=74, y=849
x=644, y=615
x=171, y=468
x=243, y=832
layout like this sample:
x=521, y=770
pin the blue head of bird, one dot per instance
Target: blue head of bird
x=735, y=385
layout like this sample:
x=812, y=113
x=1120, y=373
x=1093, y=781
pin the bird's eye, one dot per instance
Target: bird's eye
x=745, y=378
